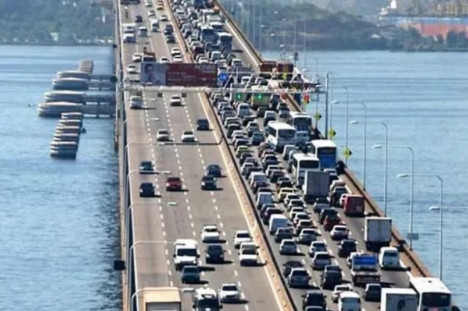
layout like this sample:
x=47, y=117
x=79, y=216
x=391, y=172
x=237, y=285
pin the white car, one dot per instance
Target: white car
x=136, y=58
x=229, y=292
x=162, y=135
x=176, y=100
x=148, y=4
x=188, y=137
x=151, y=13
x=175, y=51
x=164, y=60
x=210, y=233
x=177, y=59
x=132, y=68
x=163, y=17
x=136, y=102
x=241, y=237
x=339, y=289
x=248, y=255
x=288, y=247
x=339, y=232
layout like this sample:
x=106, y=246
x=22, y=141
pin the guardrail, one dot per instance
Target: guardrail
x=414, y=259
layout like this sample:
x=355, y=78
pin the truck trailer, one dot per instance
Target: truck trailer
x=160, y=299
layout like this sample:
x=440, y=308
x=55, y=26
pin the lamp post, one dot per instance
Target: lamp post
x=334, y=102
x=441, y=213
x=260, y=39
x=365, y=143
x=410, y=234
x=347, y=121
x=386, y=162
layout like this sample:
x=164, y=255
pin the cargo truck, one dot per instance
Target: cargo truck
x=160, y=299
x=353, y=205
x=364, y=269
x=315, y=185
x=377, y=232
x=401, y=299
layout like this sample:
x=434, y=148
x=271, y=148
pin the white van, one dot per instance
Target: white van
x=349, y=301
x=143, y=31
x=243, y=110
x=185, y=253
x=277, y=221
x=389, y=258
x=264, y=198
x=129, y=38
x=302, y=137
x=154, y=25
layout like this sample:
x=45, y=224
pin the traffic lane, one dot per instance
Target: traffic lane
x=316, y=275
x=149, y=244
x=197, y=199
x=229, y=208
x=226, y=208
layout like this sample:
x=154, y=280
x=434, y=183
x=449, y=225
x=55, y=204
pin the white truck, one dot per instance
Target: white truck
x=316, y=185
x=365, y=269
x=160, y=299
x=377, y=232
x=401, y=299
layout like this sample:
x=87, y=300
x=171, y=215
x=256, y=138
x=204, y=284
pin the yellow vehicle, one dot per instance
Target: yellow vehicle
x=283, y=192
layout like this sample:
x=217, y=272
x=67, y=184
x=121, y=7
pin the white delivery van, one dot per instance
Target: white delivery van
x=389, y=258
x=277, y=221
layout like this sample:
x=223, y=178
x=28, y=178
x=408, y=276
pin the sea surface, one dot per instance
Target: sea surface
x=58, y=218
x=423, y=98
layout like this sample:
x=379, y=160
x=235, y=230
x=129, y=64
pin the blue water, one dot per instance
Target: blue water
x=58, y=219
x=423, y=98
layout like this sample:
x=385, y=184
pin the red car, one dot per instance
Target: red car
x=331, y=221
x=173, y=184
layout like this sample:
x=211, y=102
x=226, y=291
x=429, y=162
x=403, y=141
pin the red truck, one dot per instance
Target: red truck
x=353, y=205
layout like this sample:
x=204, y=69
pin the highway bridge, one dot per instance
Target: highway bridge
x=151, y=225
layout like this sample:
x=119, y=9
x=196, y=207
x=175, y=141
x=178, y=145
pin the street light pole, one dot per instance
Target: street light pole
x=365, y=144
x=347, y=121
x=441, y=213
x=386, y=163
x=411, y=193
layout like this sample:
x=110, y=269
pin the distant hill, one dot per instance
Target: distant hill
x=354, y=7
x=33, y=21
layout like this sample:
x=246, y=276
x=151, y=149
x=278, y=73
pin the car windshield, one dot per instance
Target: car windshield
x=249, y=251
x=322, y=256
x=191, y=269
x=300, y=273
x=211, y=229
x=215, y=248
x=187, y=252
x=163, y=132
x=188, y=133
x=173, y=179
x=243, y=235
x=230, y=287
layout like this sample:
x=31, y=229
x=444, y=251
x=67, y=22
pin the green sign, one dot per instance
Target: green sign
x=331, y=133
x=317, y=116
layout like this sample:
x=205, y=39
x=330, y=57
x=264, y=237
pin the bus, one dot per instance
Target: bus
x=325, y=150
x=207, y=34
x=280, y=134
x=432, y=294
x=225, y=41
x=301, y=163
x=259, y=97
x=300, y=120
